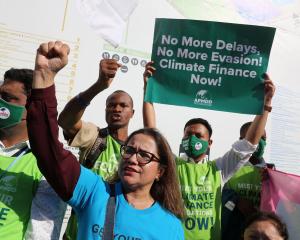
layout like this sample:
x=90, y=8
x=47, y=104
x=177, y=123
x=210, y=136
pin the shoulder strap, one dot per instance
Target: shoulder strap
x=18, y=156
x=98, y=147
x=108, y=233
x=25, y=149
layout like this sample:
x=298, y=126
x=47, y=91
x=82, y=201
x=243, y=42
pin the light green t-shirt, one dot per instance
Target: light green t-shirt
x=247, y=184
x=107, y=163
x=105, y=166
x=18, y=186
x=201, y=192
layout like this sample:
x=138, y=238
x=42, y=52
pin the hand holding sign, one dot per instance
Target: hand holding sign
x=209, y=65
x=149, y=71
x=269, y=90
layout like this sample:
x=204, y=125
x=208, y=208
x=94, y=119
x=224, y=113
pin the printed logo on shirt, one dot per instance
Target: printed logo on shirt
x=202, y=179
x=199, y=203
x=6, y=199
x=200, y=223
x=8, y=183
x=97, y=230
x=109, y=166
x=3, y=215
x=250, y=192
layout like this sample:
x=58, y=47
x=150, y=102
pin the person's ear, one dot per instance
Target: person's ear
x=161, y=171
x=210, y=141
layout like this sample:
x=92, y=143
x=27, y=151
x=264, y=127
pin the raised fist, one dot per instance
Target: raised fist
x=52, y=57
x=107, y=71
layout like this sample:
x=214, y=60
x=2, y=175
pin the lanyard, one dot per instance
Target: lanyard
x=14, y=162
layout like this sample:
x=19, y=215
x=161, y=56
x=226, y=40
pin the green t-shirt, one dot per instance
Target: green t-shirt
x=105, y=166
x=107, y=163
x=201, y=192
x=18, y=186
x=247, y=184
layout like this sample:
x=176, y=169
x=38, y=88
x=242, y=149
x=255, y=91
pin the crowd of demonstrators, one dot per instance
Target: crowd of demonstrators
x=99, y=148
x=147, y=193
x=29, y=208
x=265, y=225
x=123, y=187
x=200, y=181
x=241, y=194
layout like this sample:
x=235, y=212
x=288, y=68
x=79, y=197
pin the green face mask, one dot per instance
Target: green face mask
x=10, y=114
x=194, y=146
x=260, y=148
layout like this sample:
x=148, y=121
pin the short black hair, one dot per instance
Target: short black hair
x=121, y=91
x=244, y=129
x=199, y=121
x=269, y=216
x=22, y=75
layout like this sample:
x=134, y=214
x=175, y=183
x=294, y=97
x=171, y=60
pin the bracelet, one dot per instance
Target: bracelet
x=267, y=108
x=81, y=101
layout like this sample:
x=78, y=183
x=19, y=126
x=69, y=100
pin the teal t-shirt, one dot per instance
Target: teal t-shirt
x=105, y=166
x=201, y=192
x=18, y=186
x=89, y=202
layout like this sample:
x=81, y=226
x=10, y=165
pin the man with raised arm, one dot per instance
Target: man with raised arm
x=201, y=181
x=241, y=194
x=118, y=112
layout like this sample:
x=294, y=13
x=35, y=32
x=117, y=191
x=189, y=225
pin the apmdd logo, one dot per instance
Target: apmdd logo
x=8, y=183
x=203, y=98
x=198, y=145
x=4, y=113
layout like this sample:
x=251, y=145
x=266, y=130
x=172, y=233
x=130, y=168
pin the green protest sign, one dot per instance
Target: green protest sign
x=209, y=65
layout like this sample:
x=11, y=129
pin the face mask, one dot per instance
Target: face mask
x=10, y=114
x=260, y=149
x=194, y=146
